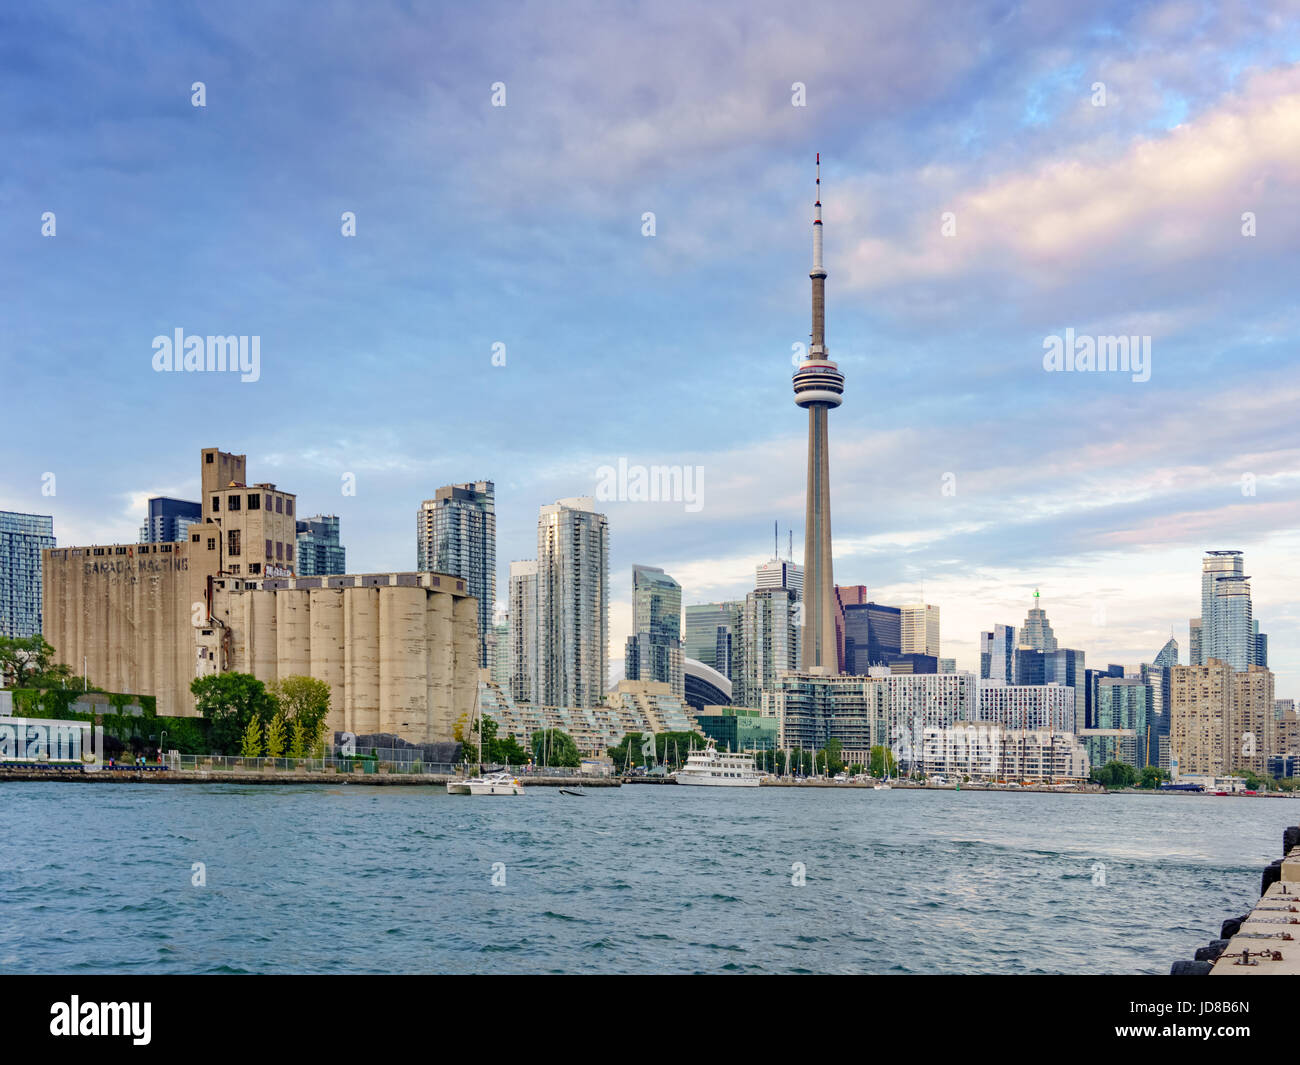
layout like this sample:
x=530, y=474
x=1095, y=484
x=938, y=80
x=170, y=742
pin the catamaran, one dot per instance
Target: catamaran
x=710, y=768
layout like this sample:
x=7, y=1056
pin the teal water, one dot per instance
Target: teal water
x=98, y=878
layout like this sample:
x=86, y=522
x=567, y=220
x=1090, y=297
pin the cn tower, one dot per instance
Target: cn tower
x=818, y=386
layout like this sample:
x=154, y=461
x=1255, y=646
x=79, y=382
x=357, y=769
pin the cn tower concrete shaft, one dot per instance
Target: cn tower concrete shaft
x=818, y=386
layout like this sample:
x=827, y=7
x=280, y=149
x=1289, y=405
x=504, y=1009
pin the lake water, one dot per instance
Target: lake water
x=341, y=879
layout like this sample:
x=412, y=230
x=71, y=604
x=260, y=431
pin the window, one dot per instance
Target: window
x=268, y=548
x=279, y=550
x=288, y=507
x=208, y=458
x=232, y=542
x=232, y=502
x=267, y=502
x=234, y=568
x=166, y=549
x=120, y=551
x=288, y=552
x=216, y=504
x=212, y=543
x=194, y=538
x=255, y=567
x=254, y=500
x=279, y=504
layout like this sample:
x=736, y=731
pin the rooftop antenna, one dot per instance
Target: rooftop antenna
x=791, y=531
x=776, y=533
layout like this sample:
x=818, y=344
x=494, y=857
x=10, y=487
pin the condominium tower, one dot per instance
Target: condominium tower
x=456, y=533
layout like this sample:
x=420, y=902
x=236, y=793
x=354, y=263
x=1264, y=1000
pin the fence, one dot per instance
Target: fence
x=362, y=764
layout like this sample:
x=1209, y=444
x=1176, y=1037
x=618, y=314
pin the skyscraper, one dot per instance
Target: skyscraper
x=1214, y=564
x=1037, y=631
x=169, y=520
x=22, y=539
x=713, y=632
x=654, y=650
x=1232, y=636
x=572, y=603
x=998, y=654
x=522, y=620
x=818, y=386
x=319, y=551
x=456, y=533
x=780, y=573
x=920, y=629
x=770, y=643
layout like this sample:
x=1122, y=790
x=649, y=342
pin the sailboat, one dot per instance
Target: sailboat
x=884, y=784
x=500, y=783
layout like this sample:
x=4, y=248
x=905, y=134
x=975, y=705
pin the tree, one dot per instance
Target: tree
x=1152, y=776
x=832, y=756
x=554, y=747
x=24, y=658
x=251, y=744
x=303, y=699
x=228, y=701
x=298, y=739
x=883, y=763
x=1115, y=775
x=275, y=736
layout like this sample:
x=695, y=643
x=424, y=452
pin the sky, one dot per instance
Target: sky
x=994, y=174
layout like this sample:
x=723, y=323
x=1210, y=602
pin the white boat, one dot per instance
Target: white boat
x=492, y=784
x=713, y=769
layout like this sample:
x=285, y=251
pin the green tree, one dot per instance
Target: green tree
x=555, y=747
x=24, y=658
x=298, y=739
x=250, y=745
x=275, y=736
x=303, y=699
x=831, y=756
x=228, y=700
x=1115, y=775
x=883, y=762
x=1152, y=776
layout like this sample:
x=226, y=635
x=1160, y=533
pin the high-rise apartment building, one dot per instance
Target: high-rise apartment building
x=919, y=629
x=320, y=553
x=1222, y=720
x=654, y=650
x=770, y=643
x=501, y=660
x=22, y=539
x=522, y=618
x=713, y=634
x=456, y=533
x=1232, y=639
x=780, y=573
x=1214, y=564
x=572, y=603
x=1027, y=706
x=168, y=520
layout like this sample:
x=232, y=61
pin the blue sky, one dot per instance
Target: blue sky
x=522, y=225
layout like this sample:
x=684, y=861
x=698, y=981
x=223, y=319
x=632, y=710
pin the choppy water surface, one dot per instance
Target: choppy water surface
x=98, y=878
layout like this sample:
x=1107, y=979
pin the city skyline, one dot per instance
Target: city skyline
x=1126, y=483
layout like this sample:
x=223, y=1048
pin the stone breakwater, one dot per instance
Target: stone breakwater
x=1264, y=941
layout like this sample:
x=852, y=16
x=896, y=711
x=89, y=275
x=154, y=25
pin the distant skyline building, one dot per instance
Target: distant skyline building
x=713, y=633
x=168, y=520
x=1214, y=564
x=654, y=650
x=1037, y=630
x=22, y=539
x=456, y=533
x=320, y=553
x=572, y=603
x=998, y=654
x=818, y=387
x=523, y=626
x=1232, y=637
x=770, y=642
x=920, y=629
x=780, y=573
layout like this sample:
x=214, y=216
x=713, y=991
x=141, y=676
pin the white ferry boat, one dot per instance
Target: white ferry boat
x=712, y=769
